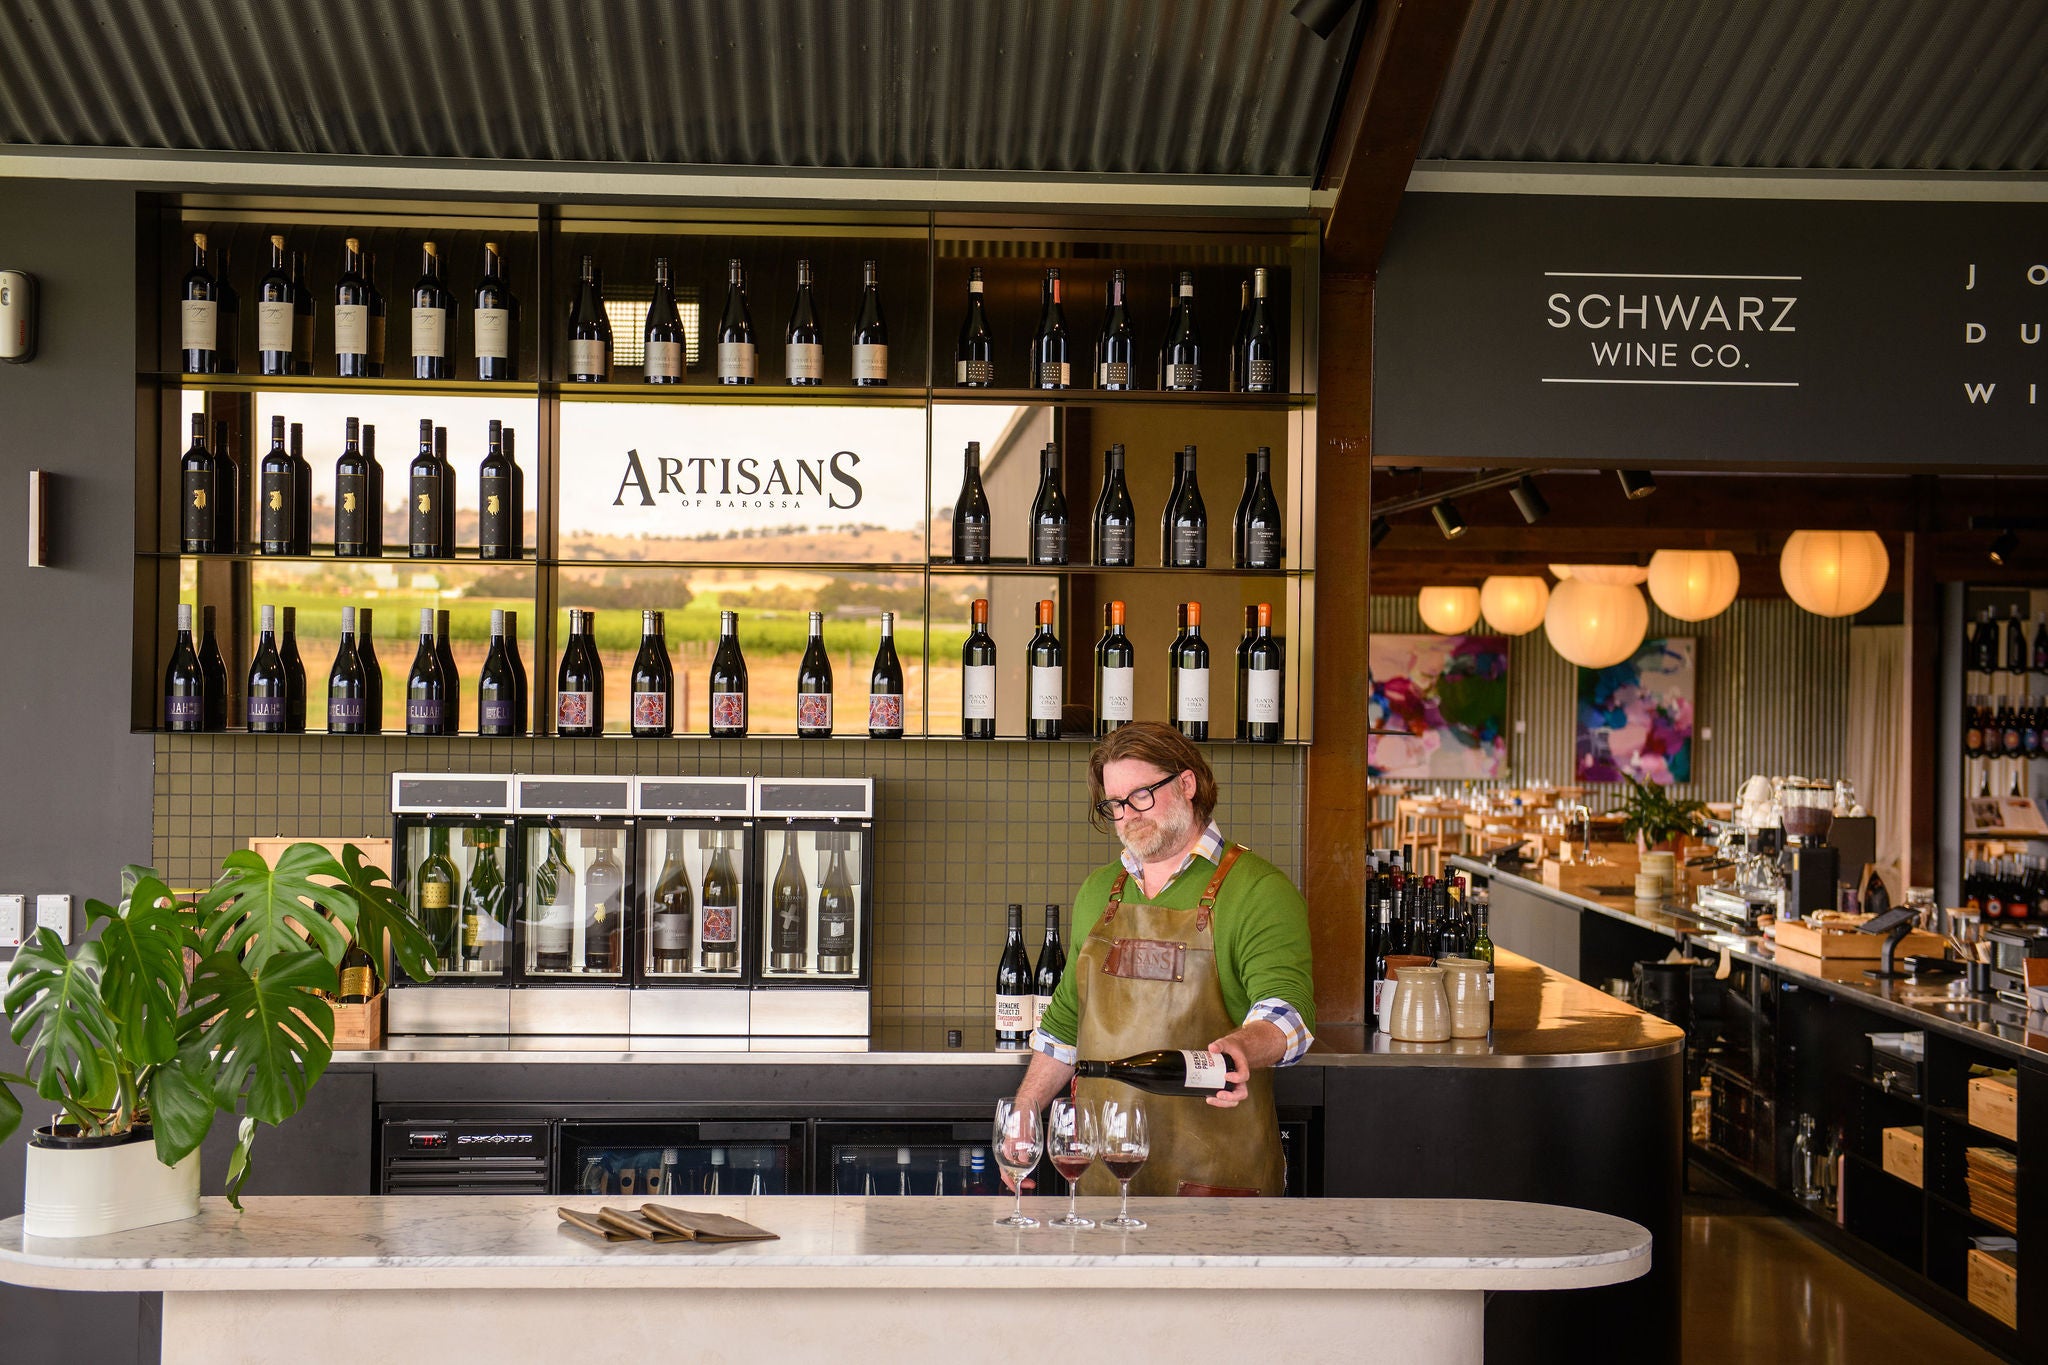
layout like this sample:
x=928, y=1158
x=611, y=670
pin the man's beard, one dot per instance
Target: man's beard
x=1160, y=835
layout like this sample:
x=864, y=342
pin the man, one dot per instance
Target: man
x=1186, y=943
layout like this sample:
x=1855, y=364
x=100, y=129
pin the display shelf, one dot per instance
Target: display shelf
x=1019, y=568
x=708, y=391
x=1201, y=398
x=313, y=383
x=464, y=554
x=621, y=737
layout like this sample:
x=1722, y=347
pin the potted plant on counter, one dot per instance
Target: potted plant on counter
x=172, y=1013
x=1651, y=818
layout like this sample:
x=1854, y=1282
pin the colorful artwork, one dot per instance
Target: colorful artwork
x=1637, y=717
x=1445, y=700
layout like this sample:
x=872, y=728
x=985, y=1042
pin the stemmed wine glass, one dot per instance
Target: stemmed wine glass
x=1122, y=1144
x=1016, y=1144
x=1070, y=1142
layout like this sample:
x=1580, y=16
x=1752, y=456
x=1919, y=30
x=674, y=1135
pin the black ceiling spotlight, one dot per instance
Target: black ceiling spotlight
x=1529, y=500
x=1321, y=17
x=1447, y=519
x=1380, y=528
x=2005, y=547
x=1636, y=484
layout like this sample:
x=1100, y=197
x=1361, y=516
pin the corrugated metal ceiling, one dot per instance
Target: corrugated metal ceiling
x=1107, y=87
x=1891, y=85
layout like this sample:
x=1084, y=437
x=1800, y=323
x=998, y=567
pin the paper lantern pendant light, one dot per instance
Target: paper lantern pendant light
x=1596, y=625
x=1693, y=585
x=1834, y=573
x=1514, y=605
x=1448, y=611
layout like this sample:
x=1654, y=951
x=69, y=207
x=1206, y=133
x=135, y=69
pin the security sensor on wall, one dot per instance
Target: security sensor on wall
x=17, y=316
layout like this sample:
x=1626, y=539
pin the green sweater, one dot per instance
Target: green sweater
x=1261, y=930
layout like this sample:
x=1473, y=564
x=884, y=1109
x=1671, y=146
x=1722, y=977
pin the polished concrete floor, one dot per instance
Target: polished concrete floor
x=1757, y=1290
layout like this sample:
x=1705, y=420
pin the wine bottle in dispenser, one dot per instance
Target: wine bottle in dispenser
x=789, y=912
x=672, y=911
x=836, y=909
x=721, y=901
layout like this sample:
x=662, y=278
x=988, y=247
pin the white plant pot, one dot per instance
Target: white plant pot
x=87, y=1191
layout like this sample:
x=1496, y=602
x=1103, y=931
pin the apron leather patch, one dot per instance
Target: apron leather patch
x=1146, y=959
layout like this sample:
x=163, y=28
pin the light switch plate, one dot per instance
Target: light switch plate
x=54, y=912
x=13, y=909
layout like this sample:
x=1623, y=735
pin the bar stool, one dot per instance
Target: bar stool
x=1427, y=826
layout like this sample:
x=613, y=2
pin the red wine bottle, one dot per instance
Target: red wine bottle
x=736, y=354
x=279, y=506
x=1184, y=523
x=227, y=494
x=423, y=509
x=357, y=521
x=1116, y=350
x=500, y=518
x=373, y=673
x=1259, y=369
x=198, y=494
x=885, y=686
x=495, y=321
x=451, y=715
x=1163, y=1072
x=974, y=358
x=579, y=683
x=870, y=333
x=347, y=690
x=729, y=681
x=227, y=354
x=789, y=905
x=971, y=528
x=274, y=319
x=1259, y=536
x=352, y=314
x=1180, y=365
x=1013, y=986
x=184, y=681
x=1188, y=662
x=499, y=714
x=590, y=330
x=803, y=341
x=294, y=674
x=814, y=685
x=269, y=692
x=214, y=669
x=1049, y=510
x=1116, y=520
x=433, y=319
x=1259, y=679
x=302, y=318
x=199, y=314
x=302, y=489
x=978, y=677
x=654, y=681
x=426, y=687
x=1052, y=965
x=1048, y=678
x=1051, y=365
x=1115, y=673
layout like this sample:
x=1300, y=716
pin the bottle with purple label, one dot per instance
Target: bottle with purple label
x=184, y=681
x=269, y=689
x=348, y=690
x=426, y=688
x=498, y=713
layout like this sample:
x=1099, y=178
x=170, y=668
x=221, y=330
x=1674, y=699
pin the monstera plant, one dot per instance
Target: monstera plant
x=175, y=1012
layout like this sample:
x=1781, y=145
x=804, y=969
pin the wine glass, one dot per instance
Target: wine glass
x=1016, y=1144
x=1070, y=1142
x=1122, y=1144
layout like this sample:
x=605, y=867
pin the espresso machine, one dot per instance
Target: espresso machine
x=455, y=861
x=696, y=859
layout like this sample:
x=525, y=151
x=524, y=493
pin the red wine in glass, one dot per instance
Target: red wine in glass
x=1072, y=1168
x=1122, y=1167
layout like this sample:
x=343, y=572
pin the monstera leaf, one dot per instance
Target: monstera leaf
x=258, y=912
x=58, y=1000
x=142, y=953
x=181, y=1105
x=378, y=911
x=10, y=1107
x=268, y=1035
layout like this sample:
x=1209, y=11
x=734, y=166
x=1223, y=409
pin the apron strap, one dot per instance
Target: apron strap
x=1116, y=896
x=1207, y=904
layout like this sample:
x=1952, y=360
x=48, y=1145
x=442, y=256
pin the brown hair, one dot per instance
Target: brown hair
x=1162, y=746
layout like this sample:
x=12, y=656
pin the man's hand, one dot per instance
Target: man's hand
x=1043, y=1079
x=1255, y=1045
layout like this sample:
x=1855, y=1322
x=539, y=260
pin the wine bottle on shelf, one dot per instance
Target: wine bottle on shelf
x=214, y=670
x=269, y=692
x=227, y=349
x=1116, y=350
x=451, y=715
x=974, y=357
x=728, y=681
x=721, y=900
x=1238, y=334
x=1163, y=1072
x=352, y=314
x=666, y=346
x=520, y=710
x=1052, y=965
x=500, y=517
x=2015, y=641
x=978, y=677
x=1984, y=644
x=579, y=682
x=1184, y=524
x=440, y=891
x=590, y=329
x=423, y=507
x=604, y=906
x=481, y=944
x=198, y=494
x=654, y=681
x=736, y=356
x=671, y=917
x=358, y=522
x=2040, y=651
x=280, y=497
x=1259, y=536
x=1973, y=727
x=184, y=681
x=426, y=688
x=971, y=524
x=803, y=341
x=1115, y=673
x=1013, y=986
x=789, y=911
x=373, y=672
x=870, y=333
x=347, y=691
x=814, y=685
x=302, y=489
x=1180, y=367
x=1188, y=661
x=227, y=493
x=433, y=319
x=294, y=673
x=1259, y=678
x=885, y=686
x=1051, y=357
x=380, y=316
x=1116, y=520
x=836, y=910
x=359, y=981
x=1049, y=510
x=1048, y=678
x=274, y=313
x=302, y=318
x=1259, y=364
x=494, y=321
x=199, y=314
x=498, y=714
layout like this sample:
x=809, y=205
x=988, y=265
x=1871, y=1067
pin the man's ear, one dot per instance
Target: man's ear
x=1184, y=782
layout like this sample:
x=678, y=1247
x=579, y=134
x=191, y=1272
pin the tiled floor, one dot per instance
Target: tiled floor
x=1756, y=1290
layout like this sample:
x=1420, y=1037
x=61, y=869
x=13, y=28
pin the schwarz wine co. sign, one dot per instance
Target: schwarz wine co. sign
x=1674, y=332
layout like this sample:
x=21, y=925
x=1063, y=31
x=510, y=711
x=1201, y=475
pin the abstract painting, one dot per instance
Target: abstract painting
x=1439, y=706
x=1637, y=716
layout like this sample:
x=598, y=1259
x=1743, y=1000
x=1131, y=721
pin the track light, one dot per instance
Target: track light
x=1636, y=483
x=1447, y=519
x=1380, y=527
x=2005, y=547
x=1529, y=500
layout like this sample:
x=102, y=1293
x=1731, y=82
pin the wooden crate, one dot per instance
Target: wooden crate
x=1905, y=1150
x=1995, y=1106
x=1993, y=1279
x=376, y=852
x=1581, y=879
x=1850, y=945
x=359, y=1028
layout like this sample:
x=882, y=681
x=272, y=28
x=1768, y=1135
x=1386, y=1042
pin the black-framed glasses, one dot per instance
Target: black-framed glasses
x=1139, y=800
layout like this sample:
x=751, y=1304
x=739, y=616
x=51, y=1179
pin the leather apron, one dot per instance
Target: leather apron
x=1147, y=979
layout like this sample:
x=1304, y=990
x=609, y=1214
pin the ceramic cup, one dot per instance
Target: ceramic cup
x=1384, y=1007
x=1465, y=984
x=1422, y=1008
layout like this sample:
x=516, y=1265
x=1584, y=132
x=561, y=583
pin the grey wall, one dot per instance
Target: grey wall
x=74, y=783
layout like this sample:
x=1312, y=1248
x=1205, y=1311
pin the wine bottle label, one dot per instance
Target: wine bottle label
x=870, y=362
x=650, y=710
x=492, y=715
x=357, y=982
x=1039, y=1005
x=493, y=333
x=351, y=509
x=199, y=325
x=885, y=710
x=1262, y=696
x=433, y=895
x=1258, y=376
x=494, y=526
x=426, y=516
x=1113, y=374
x=430, y=332
x=721, y=924
x=973, y=543
x=736, y=360
x=1194, y=693
x=196, y=516
x=351, y=329
x=672, y=935
x=978, y=692
x=1049, y=544
x=1013, y=1013
x=728, y=710
x=184, y=710
x=1190, y=547
x=273, y=327
x=1183, y=377
x=379, y=325
x=1054, y=374
x=1113, y=544
x=573, y=710
x=975, y=372
x=276, y=522
x=587, y=357
x=1262, y=547
x=814, y=710
x=1118, y=685
x=805, y=360
x=344, y=711
x=664, y=360
x=1379, y=989
x=1205, y=1070
x=556, y=930
x=1047, y=692
x=423, y=712
x=266, y=711
x=832, y=929
x=472, y=928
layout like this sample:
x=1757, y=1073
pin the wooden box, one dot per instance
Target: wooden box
x=1995, y=1106
x=1850, y=944
x=1581, y=879
x=359, y=1028
x=1993, y=1279
x=1905, y=1153
x=376, y=852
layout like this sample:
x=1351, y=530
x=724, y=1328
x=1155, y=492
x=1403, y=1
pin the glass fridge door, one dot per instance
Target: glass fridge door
x=814, y=903
x=575, y=902
x=460, y=895
x=907, y=1159
x=662, y=1160
x=692, y=879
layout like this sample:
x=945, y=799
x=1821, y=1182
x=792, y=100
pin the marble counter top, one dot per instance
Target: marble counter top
x=512, y=1242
